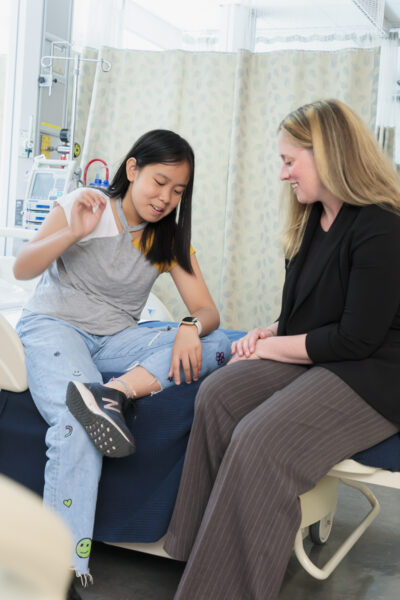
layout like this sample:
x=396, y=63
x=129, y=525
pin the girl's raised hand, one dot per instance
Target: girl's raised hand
x=86, y=213
x=246, y=346
x=186, y=351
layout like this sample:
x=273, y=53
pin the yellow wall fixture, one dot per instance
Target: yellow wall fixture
x=50, y=125
x=45, y=144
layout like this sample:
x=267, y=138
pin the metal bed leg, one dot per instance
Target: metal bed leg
x=328, y=568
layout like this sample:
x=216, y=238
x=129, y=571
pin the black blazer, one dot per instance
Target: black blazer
x=349, y=304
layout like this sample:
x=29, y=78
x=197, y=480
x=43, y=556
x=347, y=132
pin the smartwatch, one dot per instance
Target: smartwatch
x=191, y=321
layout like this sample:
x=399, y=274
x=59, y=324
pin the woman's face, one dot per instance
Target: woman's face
x=300, y=171
x=155, y=190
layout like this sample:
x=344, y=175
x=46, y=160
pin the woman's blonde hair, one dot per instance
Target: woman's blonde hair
x=350, y=163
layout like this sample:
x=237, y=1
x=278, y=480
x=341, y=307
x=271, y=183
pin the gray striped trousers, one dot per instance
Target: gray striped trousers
x=264, y=433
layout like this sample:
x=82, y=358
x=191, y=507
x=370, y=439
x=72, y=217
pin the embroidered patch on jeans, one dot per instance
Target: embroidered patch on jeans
x=220, y=357
x=68, y=430
x=83, y=547
x=67, y=502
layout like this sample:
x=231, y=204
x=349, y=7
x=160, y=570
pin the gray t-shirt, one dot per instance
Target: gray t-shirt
x=101, y=283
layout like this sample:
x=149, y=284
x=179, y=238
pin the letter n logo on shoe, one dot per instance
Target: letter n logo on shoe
x=110, y=404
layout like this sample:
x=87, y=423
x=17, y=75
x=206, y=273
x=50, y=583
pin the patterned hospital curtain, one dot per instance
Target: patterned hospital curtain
x=269, y=86
x=228, y=106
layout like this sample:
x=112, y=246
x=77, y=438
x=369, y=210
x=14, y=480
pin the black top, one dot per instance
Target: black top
x=319, y=238
x=348, y=304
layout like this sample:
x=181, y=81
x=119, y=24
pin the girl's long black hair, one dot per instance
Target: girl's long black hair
x=171, y=239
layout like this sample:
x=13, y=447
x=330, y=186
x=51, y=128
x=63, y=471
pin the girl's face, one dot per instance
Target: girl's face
x=300, y=171
x=155, y=190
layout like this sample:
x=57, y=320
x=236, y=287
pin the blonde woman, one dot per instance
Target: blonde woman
x=313, y=388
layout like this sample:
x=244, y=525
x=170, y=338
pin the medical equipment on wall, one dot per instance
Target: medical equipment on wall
x=51, y=179
x=27, y=138
x=48, y=181
x=69, y=146
x=98, y=182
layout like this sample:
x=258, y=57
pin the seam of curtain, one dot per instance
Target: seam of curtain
x=237, y=84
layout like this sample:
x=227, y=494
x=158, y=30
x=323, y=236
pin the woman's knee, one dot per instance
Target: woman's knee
x=210, y=392
x=260, y=431
x=244, y=432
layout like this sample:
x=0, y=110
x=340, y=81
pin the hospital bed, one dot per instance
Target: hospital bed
x=137, y=493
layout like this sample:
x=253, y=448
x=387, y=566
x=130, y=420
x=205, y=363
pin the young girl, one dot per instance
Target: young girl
x=100, y=255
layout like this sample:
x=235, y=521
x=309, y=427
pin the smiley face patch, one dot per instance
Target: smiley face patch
x=84, y=547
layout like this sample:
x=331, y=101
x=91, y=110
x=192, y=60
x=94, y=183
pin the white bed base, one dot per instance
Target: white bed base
x=319, y=504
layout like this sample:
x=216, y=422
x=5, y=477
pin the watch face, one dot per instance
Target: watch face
x=189, y=320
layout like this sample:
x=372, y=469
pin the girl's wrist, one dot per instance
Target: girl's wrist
x=73, y=237
x=191, y=322
x=191, y=329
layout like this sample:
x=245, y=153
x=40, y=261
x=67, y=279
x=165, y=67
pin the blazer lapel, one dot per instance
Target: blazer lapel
x=295, y=266
x=335, y=235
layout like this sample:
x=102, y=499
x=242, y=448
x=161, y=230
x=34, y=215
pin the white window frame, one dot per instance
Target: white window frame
x=8, y=115
x=21, y=103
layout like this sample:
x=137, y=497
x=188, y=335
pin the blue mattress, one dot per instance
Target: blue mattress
x=137, y=493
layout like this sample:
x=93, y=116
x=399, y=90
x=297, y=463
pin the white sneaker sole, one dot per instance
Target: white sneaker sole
x=105, y=434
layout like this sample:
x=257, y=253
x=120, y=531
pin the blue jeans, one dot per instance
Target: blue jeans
x=57, y=352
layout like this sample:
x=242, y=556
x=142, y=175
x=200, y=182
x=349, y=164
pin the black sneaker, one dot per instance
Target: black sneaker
x=99, y=410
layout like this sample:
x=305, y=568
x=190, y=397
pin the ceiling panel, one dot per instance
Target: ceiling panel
x=392, y=12
x=324, y=14
x=275, y=14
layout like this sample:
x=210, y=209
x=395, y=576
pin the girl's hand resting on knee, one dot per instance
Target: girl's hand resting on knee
x=186, y=351
x=245, y=347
